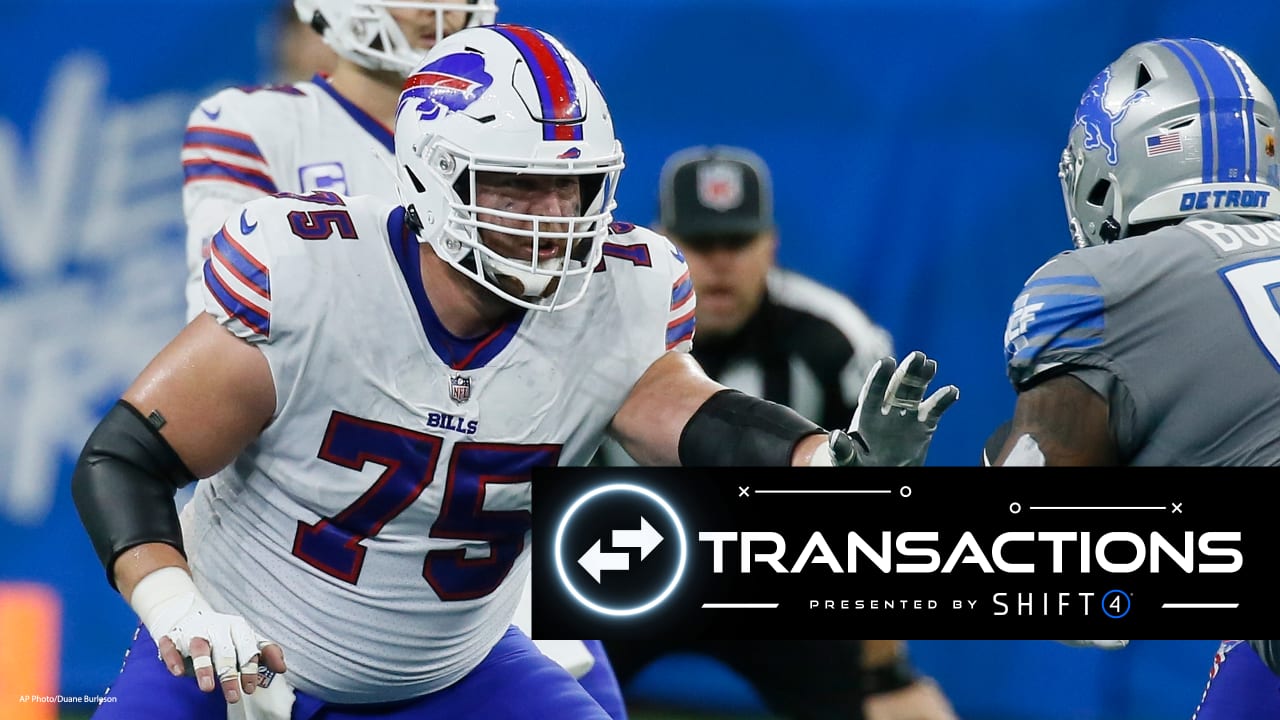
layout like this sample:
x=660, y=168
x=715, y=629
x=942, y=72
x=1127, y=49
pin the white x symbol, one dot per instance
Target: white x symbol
x=742, y=491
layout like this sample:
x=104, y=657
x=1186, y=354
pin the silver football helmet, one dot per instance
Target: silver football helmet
x=1170, y=129
x=511, y=100
x=364, y=32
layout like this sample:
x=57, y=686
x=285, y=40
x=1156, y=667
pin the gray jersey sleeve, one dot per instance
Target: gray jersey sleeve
x=1167, y=328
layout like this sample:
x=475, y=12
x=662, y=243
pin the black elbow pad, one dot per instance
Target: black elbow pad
x=124, y=483
x=733, y=428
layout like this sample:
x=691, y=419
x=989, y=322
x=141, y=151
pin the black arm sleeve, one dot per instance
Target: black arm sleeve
x=1269, y=651
x=733, y=428
x=123, y=486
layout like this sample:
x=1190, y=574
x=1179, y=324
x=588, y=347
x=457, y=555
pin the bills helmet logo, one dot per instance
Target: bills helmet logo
x=451, y=83
x=460, y=388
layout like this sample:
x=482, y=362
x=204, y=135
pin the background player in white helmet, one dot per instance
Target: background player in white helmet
x=331, y=133
x=1157, y=340
x=370, y=387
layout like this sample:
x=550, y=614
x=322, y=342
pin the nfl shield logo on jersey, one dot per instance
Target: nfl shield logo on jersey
x=720, y=185
x=460, y=388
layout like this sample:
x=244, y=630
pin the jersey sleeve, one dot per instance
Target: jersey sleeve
x=654, y=294
x=236, y=277
x=680, y=312
x=224, y=165
x=1058, y=319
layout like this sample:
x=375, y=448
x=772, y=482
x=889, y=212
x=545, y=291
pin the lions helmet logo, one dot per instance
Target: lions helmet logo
x=1099, y=122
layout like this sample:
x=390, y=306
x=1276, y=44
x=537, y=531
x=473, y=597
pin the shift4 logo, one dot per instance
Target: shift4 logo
x=620, y=549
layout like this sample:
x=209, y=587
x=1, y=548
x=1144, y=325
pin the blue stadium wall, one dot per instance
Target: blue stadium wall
x=914, y=147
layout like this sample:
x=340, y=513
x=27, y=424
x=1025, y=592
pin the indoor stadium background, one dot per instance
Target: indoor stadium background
x=914, y=146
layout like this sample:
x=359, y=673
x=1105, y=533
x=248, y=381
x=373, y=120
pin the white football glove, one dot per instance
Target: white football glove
x=169, y=605
x=1103, y=644
x=893, y=424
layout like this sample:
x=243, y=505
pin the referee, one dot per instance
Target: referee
x=779, y=335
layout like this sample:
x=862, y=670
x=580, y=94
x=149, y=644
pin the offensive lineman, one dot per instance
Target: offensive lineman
x=370, y=387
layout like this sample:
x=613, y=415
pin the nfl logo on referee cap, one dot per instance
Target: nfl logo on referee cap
x=460, y=388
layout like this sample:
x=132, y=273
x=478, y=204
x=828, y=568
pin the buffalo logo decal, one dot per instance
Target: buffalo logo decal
x=451, y=83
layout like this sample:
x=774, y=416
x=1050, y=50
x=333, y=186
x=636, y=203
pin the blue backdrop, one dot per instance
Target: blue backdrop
x=913, y=143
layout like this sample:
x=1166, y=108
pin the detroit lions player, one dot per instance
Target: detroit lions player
x=1157, y=341
x=330, y=134
x=371, y=385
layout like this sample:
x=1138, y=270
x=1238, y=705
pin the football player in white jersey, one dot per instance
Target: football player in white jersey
x=332, y=134
x=370, y=387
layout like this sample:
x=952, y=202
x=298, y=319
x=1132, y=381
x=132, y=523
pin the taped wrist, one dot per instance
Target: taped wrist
x=733, y=428
x=162, y=597
x=123, y=486
x=887, y=678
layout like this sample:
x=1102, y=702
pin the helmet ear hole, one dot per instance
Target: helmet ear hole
x=1098, y=194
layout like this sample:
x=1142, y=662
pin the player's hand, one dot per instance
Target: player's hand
x=921, y=700
x=1104, y=644
x=223, y=648
x=894, y=423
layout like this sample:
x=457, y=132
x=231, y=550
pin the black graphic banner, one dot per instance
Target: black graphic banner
x=952, y=553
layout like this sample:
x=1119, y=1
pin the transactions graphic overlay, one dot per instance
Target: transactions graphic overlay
x=957, y=553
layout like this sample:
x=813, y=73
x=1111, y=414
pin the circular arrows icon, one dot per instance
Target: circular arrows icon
x=595, y=561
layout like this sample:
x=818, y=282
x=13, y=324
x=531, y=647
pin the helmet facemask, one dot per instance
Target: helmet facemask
x=365, y=32
x=552, y=283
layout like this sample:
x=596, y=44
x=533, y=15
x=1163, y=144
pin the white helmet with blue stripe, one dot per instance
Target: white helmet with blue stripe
x=364, y=31
x=1172, y=128
x=512, y=100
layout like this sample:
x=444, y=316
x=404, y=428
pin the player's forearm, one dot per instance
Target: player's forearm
x=650, y=421
x=140, y=561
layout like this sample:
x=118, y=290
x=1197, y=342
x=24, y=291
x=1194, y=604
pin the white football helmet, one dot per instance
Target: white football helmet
x=363, y=32
x=1170, y=129
x=507, y=99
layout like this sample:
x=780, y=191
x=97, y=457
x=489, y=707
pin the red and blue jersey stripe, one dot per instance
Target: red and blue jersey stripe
x=239, y=282
x=681, y=324
x=230, y=143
